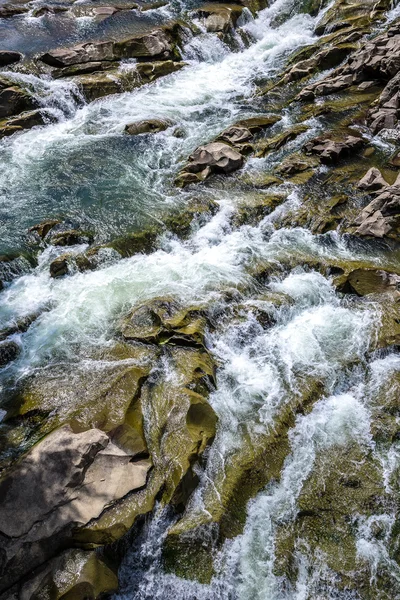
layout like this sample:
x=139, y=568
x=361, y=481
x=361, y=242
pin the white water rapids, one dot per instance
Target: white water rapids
x=82, y=166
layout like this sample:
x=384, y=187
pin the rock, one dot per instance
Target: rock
x=43, y=228
x=219, y=17
x=11, y=10
x=99, y=84
x=25, y=120
x=13, y=99
x=82, y=53
x=71, y=237
x=41, y=11
x=296, y=163
x=184, y=179
x=265, y=146
x=252, y=210
x=74, y=574
x=9, y=351
x=367, y=85
x=148, y=126
x=259, y=123
x=381, y=217
x=59, y=266
x=65, y=481
x=370, y=281
x=330, y=151
x=164, y=319
x=157, y=44
x=180, y=425
x=8, y=57
x=236, y=135
x=82, y=69
x=216, y=157
x=372, y=181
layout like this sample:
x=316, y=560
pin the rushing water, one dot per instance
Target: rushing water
x=83, y=169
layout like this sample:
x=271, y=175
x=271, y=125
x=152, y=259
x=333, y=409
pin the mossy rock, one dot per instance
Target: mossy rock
x=345, y=486
x=263, y=147
x=178, y=425
x=259, y=179
x=163, y=320
x=189, y=546
x=74, y=575
x=85, y=398
x=254, y=208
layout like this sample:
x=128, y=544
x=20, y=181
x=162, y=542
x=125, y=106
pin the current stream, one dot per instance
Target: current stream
x=81, y=166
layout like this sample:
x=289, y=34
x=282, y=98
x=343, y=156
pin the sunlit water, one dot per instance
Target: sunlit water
x=84, y=167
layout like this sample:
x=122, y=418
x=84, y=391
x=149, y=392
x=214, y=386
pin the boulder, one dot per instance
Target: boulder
x=373, y=181
x=8, y=57
x=74, y=574
x=331, y=151
x=9, y=351
x=157, y=44
x=65, y=481
x=71, y=237
x=216, y=157
x=43, y=228
x=148, y=126
x=165, y=319
x=370, y=281
x=13, y=99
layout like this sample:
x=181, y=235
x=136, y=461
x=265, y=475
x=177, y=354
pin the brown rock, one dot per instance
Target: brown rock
x=147, y=126
x=372, y=181
x=66, y=480
x=371, y=281
x=8, y=57
x=43, y=228
x=218, y=157
x=330, y=151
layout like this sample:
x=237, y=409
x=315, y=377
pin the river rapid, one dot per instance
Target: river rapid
x=82, y=168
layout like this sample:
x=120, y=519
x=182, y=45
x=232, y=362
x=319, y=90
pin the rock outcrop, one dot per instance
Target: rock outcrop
x=64, y=482
x=216, y=157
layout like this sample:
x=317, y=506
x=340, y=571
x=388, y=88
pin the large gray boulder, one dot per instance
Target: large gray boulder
x=64, y=482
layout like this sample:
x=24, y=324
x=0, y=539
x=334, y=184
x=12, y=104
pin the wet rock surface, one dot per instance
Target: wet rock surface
x=234, y=363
